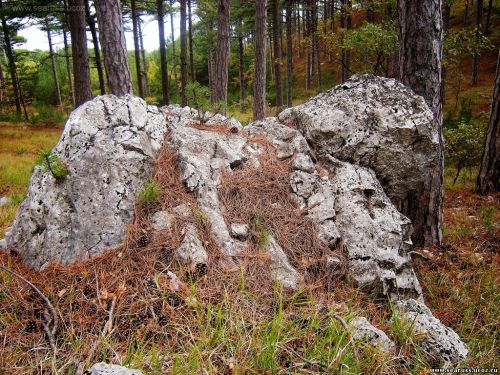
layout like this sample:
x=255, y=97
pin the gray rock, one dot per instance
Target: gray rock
x=107, y=369
x=3, y=244
x=374, y=122
x=440, y=343
x=183, y=210
x=240, y=231
x=5, y=201
x=303, y=162
x=374, y=233
x=362, y=330
x=191, y=250
x=281, y=269
x=109, y=145
x=161, y=220
x=202, y=157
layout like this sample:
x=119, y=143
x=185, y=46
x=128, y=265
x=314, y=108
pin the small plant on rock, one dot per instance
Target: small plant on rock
x=54, y=164
x=150, y=192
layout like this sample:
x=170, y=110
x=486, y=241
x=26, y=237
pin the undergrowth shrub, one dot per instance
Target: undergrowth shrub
x=150, y=192
x=52, y=163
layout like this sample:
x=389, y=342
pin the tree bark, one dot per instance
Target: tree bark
x=370, y=16
x=347, y=23
x=276, y=11
x=97, y=52
x=316, y=42
x=144, y=70
x=420, y=31
x=475, y=56
x=137, y=49
x=68, y=68
x=488, y=17
x=241, y=67
x=12, y=63
x=112, y=35
x=174, y=56
x=288, y=6
x=222, y=52
x=259, y=80
x=79, y=52
x=184, y=70
x=190, y=35
x=308, y=51
x=57, y=89
x=489, y=172
x=163, y=53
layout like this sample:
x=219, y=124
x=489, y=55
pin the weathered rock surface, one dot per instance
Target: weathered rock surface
x=375, y=234
x=107, y=369
x=374, y=122
x=109, y=146
x=440, y=343
x=362, y=330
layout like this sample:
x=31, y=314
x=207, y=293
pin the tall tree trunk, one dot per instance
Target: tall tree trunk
x=308, y=51
x=97, y=52
x=114, y=48
x=190, y=35
x=466, y=11
x=475, y=56
x=144, y=70
x=347, y=23
x=370, y=16
x=211, y=72
x=488, y=17
x=489, y=172
x=288, y=6
x=174, y=56
x=68, y=68
x=299, y=30
x=137, y=49
x=316, y=42
x=79, y=52
x=12, y=63
x=163, y=53
x=420, y=31
x=184, y=70
x=222, y=52
x=277, y=53
x=446, y=15
x=241, y=66
x=2, y=77
x=57, y=89
x=259, y=80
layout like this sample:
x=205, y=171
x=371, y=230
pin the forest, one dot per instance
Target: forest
x=256, y=64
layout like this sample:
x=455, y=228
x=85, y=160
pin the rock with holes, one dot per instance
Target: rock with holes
x=375, y=234
x=102, y=368
x=108, y=145
x=373, y=122
x=363, y=331
x=441, y=344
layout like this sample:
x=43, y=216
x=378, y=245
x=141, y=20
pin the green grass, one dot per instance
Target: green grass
x=20, y=146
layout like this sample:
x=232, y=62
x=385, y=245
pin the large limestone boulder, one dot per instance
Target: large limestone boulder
x=109, y=146
x=350, y=155
x=376, y=123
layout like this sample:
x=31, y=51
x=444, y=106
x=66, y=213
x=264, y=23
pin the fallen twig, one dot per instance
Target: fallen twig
x=293, y=352
x=50, y=332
